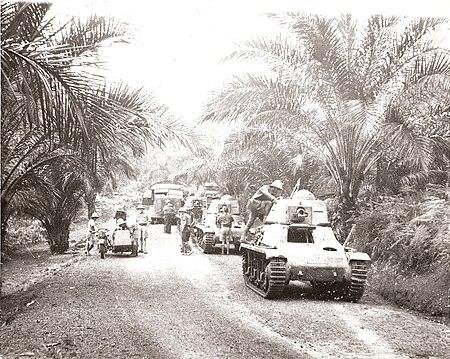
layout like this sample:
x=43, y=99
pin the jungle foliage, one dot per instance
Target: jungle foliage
x=67, y=130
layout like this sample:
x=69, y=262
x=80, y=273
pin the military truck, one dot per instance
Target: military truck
x=297, y=243
x=207, y=233
x=158, y=194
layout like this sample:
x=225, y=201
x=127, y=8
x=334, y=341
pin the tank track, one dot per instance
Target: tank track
x=205, y=242
x=355, y=289
x=267, y=278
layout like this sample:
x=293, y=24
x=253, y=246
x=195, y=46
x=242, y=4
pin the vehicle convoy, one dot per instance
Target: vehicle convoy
x=158, y=194
x=296, y=243
x=207, y=233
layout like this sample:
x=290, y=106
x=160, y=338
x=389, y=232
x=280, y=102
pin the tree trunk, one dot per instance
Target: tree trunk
x=58, y=235
x=342, y=220
x=4, y=226
x=90, y=201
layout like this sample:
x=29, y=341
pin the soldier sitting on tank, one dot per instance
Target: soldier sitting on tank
x=260, y=203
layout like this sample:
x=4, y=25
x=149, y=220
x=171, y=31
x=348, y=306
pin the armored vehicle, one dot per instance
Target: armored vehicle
x=296, y=243
x=207, y=233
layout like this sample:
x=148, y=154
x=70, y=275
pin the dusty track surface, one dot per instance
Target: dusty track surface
x=165, y=305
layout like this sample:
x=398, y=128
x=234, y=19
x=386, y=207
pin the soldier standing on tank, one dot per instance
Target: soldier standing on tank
x=224, y=222
x=185, y=230
x=142, y=223
x=259, y=205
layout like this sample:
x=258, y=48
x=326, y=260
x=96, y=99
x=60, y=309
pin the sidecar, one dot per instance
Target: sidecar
x=124, y=241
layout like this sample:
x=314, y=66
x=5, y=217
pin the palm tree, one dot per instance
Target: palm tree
x=54, y=106
x=336, y=84
x=57, y=204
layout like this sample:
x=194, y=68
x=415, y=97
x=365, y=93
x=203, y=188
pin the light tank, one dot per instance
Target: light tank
x=207, y=233
x=296, y=243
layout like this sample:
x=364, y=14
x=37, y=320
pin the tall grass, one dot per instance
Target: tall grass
x=409, y=243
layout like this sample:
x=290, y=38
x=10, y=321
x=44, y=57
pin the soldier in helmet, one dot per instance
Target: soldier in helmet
x=91, y=232
x=259, y=204
x=142, y=223
x=224, y=222
x=169, y=212
x=185, y=223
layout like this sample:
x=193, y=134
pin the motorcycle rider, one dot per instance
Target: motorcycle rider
x=260, y=203
x=142, y=224
x=91, y=233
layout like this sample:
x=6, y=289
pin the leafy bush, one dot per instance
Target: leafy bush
x=408, y=241
x=21, y=231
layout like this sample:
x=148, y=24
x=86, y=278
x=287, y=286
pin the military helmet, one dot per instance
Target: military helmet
x=277, y=184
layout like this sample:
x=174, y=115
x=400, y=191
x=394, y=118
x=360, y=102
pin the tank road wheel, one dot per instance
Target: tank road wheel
x=355, y=289
x=274, y=278
x=267, y=278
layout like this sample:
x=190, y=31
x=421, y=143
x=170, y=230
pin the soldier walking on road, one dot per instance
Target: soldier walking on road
x=91, y=233
x=168, y=212
x=142, y=224
x=185, y=230
x=224, y=221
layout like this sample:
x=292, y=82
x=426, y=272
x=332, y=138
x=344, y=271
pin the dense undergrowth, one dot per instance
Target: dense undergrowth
x=408, y=240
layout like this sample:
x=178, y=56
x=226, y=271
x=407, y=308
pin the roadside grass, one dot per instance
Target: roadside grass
x=409, y=243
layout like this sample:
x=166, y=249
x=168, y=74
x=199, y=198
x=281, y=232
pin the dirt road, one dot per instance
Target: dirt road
x=165, y=305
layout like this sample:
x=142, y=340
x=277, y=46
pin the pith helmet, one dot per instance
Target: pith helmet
x=277, y=184
x=141, y=206
x=94, y=215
